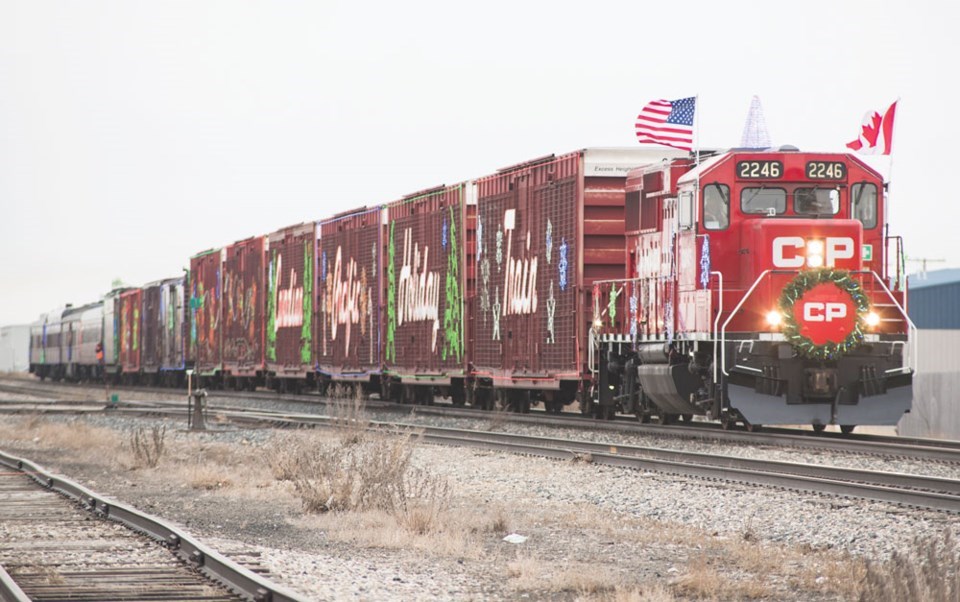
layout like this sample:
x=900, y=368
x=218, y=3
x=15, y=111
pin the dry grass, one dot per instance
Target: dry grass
x=585, y=579
x=75, y=438
x=645, y=593
x=362, y=470
x=208, y=478
x=929, y=572
x=704, y=580
x=147, y=451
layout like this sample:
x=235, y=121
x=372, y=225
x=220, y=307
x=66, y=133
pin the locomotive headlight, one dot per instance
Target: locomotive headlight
x=774, y=318
x=815, y=253
x=872, y=319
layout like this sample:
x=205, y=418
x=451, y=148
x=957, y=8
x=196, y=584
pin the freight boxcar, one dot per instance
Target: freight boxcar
x=206, y=312
x=130, y=331
x=546, y=230
x=348, y=325
x=163, y=330
x=425, y=291
x=291, y=299
x=244, y=361
x=111, y=334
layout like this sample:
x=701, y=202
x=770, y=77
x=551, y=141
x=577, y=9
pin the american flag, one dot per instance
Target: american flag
x=668, y=122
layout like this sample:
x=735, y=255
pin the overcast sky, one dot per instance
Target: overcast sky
x=134, y=134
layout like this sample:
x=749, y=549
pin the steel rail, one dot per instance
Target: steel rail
x=205, y=559
x=910, y=447
x=933, y=493
x=922, y=449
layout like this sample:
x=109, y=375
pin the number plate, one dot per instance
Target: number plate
x=759, y=170
x=826, y=170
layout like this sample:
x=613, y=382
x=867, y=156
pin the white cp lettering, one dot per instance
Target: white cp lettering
x=823, y=312
x=794, y=251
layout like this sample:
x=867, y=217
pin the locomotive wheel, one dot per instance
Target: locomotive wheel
x=664, y=418
x=846, y=429
x=643, y=417
x=606, y=412
x=819, y=428
x=686, y=417
x=727, y=422
x=752, y=428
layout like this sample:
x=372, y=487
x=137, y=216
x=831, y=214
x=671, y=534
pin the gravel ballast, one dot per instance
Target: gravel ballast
x=592, y=531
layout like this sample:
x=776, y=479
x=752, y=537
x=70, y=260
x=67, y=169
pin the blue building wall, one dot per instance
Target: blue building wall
x=934, y=302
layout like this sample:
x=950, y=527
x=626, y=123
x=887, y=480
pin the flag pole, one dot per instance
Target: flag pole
x=886, y=214
x=696, y=137
x=696, y=133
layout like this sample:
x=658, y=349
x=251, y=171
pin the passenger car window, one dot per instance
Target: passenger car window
x=716, y=207
x=816, y=201
x=864, y=204
x=763, y=200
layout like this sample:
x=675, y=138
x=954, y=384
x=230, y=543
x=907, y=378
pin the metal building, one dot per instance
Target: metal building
x=14, y=348
x=934, y=306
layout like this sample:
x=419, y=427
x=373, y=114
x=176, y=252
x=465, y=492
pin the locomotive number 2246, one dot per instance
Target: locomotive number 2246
x=759, y=170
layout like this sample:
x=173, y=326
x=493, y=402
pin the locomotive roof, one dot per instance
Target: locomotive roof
x=714, y=161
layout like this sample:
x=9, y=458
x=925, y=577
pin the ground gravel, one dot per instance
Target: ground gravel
x=592, y=532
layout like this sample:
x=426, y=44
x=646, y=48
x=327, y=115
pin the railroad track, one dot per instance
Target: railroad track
x=934, y=450
x=61, y=541
x=913, y=491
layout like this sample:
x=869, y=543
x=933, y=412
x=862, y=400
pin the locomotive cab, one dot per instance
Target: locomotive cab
x=758, y=291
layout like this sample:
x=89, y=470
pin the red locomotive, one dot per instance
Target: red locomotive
x=757, y=290
x=750, y=287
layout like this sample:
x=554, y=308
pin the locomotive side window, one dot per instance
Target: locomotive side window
x=765, y=201
x=864, y=204
x=716, y=207
x=816, y=201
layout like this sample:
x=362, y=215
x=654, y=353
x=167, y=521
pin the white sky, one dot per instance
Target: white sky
x=134, y=134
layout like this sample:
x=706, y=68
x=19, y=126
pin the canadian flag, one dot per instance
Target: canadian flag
x=876, y=133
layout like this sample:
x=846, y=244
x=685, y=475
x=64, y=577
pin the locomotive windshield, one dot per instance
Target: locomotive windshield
x=816, y=201
x=716, y=207
x=765, y=201
x=864, y=205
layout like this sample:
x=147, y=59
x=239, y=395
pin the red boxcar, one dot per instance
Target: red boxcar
x=425, y=291
x=206, y=311
x=244, y=293
x=162, y=345
x=546, y=230
x=129, y=313
x=348, y=325
x=291, y=299
x=152, y=337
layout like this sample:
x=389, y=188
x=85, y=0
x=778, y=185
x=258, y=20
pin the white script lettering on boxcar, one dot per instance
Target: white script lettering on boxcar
x=418, y=290
x=520, y=281
x=345, y=306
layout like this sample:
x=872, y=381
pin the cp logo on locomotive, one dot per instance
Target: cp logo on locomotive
x=795, y=251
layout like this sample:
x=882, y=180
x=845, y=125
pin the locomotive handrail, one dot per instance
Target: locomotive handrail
x=723, y=333
x=911, y=327
x=716, y=322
